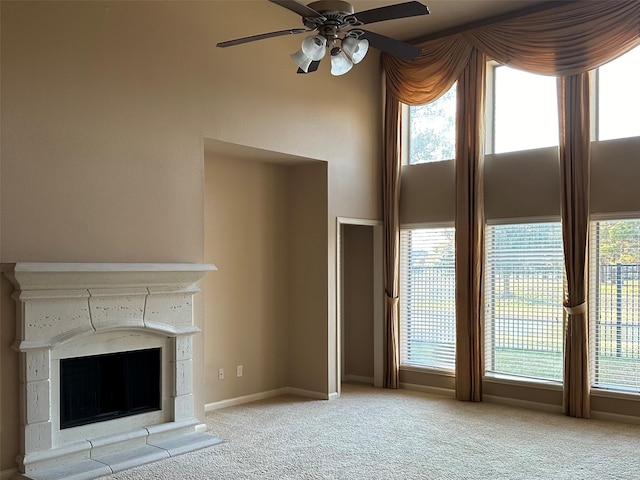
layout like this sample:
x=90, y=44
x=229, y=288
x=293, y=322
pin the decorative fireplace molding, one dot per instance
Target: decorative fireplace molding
x=67, y=310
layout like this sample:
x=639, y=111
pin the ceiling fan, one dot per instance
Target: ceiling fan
x=338, y=31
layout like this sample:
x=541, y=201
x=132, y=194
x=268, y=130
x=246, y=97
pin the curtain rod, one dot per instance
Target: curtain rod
x=488, y=21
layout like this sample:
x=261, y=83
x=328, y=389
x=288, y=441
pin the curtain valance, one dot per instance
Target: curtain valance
x=565, y=40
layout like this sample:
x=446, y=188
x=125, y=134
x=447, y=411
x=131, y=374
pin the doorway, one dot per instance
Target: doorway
x=360, y=301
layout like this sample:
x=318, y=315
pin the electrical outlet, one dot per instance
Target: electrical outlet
x=221, y=374
x=239, y=371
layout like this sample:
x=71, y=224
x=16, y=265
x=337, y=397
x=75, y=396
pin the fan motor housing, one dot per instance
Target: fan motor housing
x=332, y=6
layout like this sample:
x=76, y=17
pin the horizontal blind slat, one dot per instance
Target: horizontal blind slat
x=614, y=306
x=427, y=298
x=523, y=300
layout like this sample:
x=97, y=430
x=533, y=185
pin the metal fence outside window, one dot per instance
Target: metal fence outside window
x=618, y=311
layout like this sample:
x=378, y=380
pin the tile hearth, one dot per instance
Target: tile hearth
x=70, y=310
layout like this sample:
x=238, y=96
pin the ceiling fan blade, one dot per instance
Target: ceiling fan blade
x=312, y=67
x=391, y=12
x=298, y=8
x=389, y=45
x=262, y=36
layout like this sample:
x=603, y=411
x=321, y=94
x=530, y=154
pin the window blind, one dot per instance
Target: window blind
x=524, y=278
x=427, y=298
x=615, y=304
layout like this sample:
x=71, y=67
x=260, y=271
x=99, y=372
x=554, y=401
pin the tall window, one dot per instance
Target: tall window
x=523, y=300
x=525, y=110
x=522, y=109
x=619, y=97
x=427, y=298
x=432, y=130
x=615, y=303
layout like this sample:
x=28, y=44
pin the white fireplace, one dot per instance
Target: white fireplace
x=67, y=312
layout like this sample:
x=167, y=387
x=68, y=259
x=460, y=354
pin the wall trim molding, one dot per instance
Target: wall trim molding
x=514, y=402
x=232, y=402
x=311, y=394
x=358, y=379
x=615, y=417
x=447, y=392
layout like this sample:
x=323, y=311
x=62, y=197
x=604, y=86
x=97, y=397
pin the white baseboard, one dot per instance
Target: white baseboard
x=514, y=402
x=447, y=392
x=8, y=473
x=231, y=402
x=209, y=407
x=615, y=417
x=309, y=393
x=358, y=379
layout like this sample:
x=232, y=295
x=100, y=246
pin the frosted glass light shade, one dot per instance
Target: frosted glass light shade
x=302, y=60
x=356, y=49
x=340, y=63
x=314, y=47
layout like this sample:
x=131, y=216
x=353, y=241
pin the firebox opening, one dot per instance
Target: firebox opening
x=104, y=387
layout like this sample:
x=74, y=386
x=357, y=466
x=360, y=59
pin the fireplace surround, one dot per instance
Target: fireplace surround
x=69, y=311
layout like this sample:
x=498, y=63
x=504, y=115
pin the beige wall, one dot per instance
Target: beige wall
x=524, y=184
x=427, y=192
x=246, y=301
x=309, y=333
x=105, y=108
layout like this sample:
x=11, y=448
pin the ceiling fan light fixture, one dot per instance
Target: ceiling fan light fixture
x=340, y=63
x=355, y=48
x=314, y=47
x=301, y=60
x=337, y=30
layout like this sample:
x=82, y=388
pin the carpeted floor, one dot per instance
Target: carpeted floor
x=383, y=434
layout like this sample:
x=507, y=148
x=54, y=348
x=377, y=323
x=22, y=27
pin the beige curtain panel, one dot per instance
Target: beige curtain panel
x=470, y=228
x=566, y=40
x=391, y=227
x=575, y=154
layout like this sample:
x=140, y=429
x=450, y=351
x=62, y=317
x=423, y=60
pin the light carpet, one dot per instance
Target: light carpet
x=372, y=433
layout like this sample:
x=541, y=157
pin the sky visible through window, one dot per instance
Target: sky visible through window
x=619, y=97
x=526, y=110
x=525, y=114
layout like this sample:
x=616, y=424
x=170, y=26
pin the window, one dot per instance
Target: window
x=522, y=108
x=523, y=300
x=432, y=130
x=619, y=97
x=615, y=303
x=427, y=298
x=525, y=110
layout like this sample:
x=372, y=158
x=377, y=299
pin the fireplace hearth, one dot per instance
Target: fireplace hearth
x=106, y=363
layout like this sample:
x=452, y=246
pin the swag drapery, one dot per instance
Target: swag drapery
x=566, y=41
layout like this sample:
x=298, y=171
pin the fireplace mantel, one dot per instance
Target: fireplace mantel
x=69, y=310
x=60, y=276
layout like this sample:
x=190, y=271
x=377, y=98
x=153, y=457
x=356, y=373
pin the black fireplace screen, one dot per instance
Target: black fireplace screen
x=103, y=387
